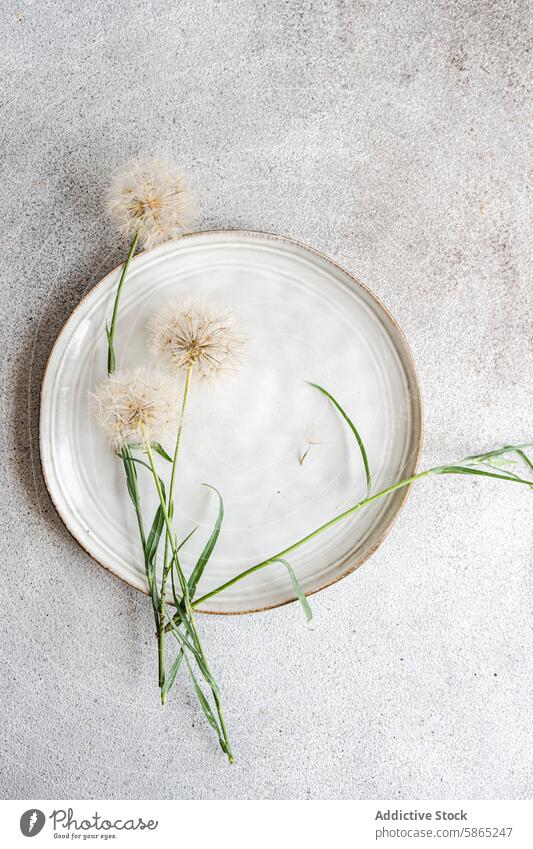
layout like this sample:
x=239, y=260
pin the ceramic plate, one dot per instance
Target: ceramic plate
x=277, y=450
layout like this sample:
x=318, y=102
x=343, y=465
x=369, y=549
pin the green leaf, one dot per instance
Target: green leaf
x=184, y=641
x=152, y=542
x=496, y=465
x=525, y=458
x=505, y=449
x=133, y=459
x=172, y=674
x=147, y=466
x=198, y=570
x=196, y=652
x=297, y=588
x=204, y=703
x=156, y=446
x=187, y=538
x=155, y=533
x=150, y=552
x=354, y=431
x=131, y=476
x=468, y=470
x=178, y=616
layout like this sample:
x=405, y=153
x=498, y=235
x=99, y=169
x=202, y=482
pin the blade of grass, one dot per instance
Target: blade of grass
x=110, y=331
x=436, y=470
x=297, y=589
x=354, y=430
x=171, y=677
x=156, y=446
x=180, y=612
x=468, y=470
x=198, y=570
x=524, y=457
x=150, y=552
x=184, y=641
x=131, y=476
x=505, y=449
x=206, y=707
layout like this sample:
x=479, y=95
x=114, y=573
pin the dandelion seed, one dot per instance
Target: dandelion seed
x=132, y=405
x=199, y=336
x=150, y=198
x=310, y=438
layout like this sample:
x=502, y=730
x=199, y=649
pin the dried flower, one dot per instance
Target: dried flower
x=203, y=336
x=132, y=405
x=150, y=198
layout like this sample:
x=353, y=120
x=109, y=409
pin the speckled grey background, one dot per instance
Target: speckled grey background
x=392, y=135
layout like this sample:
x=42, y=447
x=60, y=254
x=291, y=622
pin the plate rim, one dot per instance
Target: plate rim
x=419, y=406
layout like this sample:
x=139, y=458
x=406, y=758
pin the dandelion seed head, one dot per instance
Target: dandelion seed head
x=148, y=196
x=203, y=336
x=132, y=405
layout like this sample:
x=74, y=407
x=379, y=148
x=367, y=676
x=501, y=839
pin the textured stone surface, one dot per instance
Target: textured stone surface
x=392, y=135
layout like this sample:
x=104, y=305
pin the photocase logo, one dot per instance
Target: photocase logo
x=31, y=822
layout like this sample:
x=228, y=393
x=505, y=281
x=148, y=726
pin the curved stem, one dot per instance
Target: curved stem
x=436, y=470
x=309, y=537
x=185, y=591
x=111, y=363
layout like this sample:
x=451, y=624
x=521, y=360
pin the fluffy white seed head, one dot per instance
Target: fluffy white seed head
x=132, y=405
x=148, y=196
x=202, y=335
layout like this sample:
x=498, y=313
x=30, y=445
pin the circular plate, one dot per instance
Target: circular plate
x=275, y=447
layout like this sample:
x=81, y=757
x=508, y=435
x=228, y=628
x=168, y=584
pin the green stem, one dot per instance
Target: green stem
x=111, y=363
x=180, y=430
x=166, y=565
x=216, y=697
x=148, y=449
x=308, y=537
x=437, y=470
x=185, y=591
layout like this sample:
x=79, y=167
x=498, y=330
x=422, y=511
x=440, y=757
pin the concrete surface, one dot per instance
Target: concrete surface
x=392, y=135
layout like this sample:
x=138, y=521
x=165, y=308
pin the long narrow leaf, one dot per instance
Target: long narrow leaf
x=196, y=652
x=177, y=601
x=158, y=448
x=525, y=458
x=297, y=588
x=142, y=463
x=468, y=470
x=152, y=542
x=171, y=677
x=206, y=707
x=131, y=476
x=355, y=432
x=155, y=446
x=198, y=570
x=150, y=552
x=505, y=449
x=187, y=538
x=154, y=536
x=182, y=639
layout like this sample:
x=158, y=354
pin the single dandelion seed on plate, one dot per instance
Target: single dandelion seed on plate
x=132, y=405
x=149, y=197
x=311, y=436
x=201, y=336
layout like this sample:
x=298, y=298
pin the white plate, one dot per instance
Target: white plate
x=306, y=319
